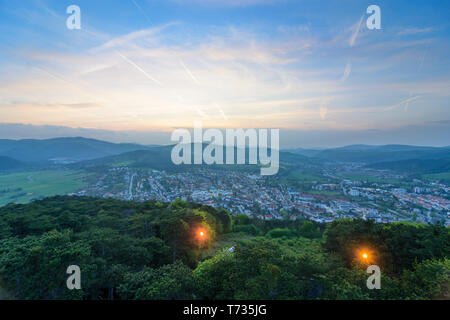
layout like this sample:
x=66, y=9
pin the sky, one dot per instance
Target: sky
x=138, y=69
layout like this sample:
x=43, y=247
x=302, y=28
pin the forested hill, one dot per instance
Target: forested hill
x=7, y=163
x=33, y=151
x=418, y=166
x=179, y=250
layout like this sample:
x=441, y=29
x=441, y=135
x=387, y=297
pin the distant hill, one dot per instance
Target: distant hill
x=62, y=149
x=374, y=154
x=70, y=150
x=7, y=163
x=160, y=158
x=156, y=158
x=304, y=152
x=415, y=166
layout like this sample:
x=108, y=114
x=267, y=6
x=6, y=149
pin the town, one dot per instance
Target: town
x=272, y=197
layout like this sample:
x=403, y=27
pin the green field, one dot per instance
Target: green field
x=444, y=177
x=370, y=179
x=301, y=175
x=124, y=163
x=26, y=186
x=326, y=193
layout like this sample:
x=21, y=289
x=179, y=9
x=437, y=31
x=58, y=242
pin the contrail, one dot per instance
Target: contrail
x=189, y=73
x=404, y=102
x=138, y=68
x=54, y=76
x=224, y=116
x=423, y=59
x=142, y=11
x=355, y=34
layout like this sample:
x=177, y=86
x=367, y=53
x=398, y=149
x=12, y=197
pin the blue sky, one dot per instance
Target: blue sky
x=311, y=68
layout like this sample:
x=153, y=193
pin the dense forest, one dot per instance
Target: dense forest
x=180, y=250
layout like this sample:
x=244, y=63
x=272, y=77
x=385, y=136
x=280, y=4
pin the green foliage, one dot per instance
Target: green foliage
x=428, y=279
x=108, y=239
x=261, y=270
x=310, y=230
x=248, y=228
x=394, y=247
x=151, y=250
x=280, y=233
x=243, y=219
x=170, y=282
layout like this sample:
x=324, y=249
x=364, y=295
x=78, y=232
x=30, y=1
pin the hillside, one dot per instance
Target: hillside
x=414, y=166
x=7, y=163
x=62, y=149
x=179, y=250
x=160, y=158
x=70, y=150
x=373, y=154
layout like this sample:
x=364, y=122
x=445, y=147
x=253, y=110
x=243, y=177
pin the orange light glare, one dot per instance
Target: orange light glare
x=201, y=234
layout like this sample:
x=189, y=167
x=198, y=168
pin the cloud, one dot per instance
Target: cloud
x=404, y=102
x=410, y=31
x=436, y=133
x=142, y=81
x=347, y=71
x=38, y=105
x=323, y=112
x=226, y=3
x=133, y=36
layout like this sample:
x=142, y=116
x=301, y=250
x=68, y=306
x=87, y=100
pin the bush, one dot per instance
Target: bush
x=243, y=219
x=279, y=233
x=248, y=228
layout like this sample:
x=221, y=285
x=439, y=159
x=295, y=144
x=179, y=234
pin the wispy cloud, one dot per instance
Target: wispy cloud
x=404, y=102
x=228, y=76
x=410, y=31
x=227, y=3
x=347, y=71
x=131, y=37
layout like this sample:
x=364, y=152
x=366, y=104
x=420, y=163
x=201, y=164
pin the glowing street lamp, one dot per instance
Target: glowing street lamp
x=365, y=256
x=201, y=236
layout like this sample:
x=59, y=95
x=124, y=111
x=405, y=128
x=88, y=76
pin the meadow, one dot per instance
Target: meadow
x=25, y=186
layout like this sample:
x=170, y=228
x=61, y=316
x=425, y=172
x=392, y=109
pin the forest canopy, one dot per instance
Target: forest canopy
x=180, y=250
